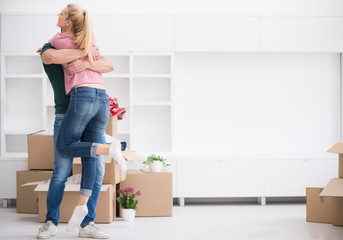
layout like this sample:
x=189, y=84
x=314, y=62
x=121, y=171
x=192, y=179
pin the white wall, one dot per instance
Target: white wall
x=234, y=7
x=256, y=105
x=219, y=97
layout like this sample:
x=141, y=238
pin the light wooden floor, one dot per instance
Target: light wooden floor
x=197, y=221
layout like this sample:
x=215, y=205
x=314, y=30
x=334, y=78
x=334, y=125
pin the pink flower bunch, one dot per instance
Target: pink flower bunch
x=127, y=198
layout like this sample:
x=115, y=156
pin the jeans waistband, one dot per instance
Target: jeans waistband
x=97, y=91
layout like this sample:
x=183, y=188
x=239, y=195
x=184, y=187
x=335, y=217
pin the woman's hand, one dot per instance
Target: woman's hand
x=95, y=51
x=77, y=66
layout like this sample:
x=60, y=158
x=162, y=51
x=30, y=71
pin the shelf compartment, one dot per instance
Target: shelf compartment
x=23, y=105
x=16, y=143
x=23, y=65
x=120, y=63
x=151, y=64
x=152, y=129
x=151, y=89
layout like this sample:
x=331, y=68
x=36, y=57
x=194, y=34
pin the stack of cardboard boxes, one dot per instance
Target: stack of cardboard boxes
x=40, y=165
x=325, y=204
x=156, y=188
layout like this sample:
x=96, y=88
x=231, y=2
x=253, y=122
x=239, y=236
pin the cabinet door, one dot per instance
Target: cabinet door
x=8, y=181
x=291, y=177
x=134, y=33
x=26, y=33
x=304, y=34
x=205, y=34
x=220, y=178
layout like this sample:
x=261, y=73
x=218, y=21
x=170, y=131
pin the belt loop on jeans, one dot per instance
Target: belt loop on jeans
x=76, y=90
x=97, y=91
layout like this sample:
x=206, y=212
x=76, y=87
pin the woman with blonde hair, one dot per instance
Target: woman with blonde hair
x=88, y=111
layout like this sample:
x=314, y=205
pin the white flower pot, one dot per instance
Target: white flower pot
x=155, y=166
x=128, y=214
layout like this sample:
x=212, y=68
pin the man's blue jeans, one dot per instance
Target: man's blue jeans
x=60, y=174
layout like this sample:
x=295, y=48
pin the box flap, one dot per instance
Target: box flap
x=334, y=188
x=319, y=187
x=41, y=132
x=44, y=187
x=34, y=183
x=337, y=148
x=128, y=155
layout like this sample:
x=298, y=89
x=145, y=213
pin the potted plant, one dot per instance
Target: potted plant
x=155, y=163
x=128, y=203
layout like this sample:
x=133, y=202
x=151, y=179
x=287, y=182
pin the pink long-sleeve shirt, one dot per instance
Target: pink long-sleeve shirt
x=65, y=41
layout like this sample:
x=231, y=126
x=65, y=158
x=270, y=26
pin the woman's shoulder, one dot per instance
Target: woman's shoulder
x=64, y=36
x=62, y=40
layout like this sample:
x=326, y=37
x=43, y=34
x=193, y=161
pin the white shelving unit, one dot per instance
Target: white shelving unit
x=140, y=81
x=23, y=104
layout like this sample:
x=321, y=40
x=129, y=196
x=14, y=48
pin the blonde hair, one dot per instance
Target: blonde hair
x=81, y=28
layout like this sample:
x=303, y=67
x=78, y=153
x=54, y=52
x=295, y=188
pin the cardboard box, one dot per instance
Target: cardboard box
x=112, y=126
x=40, y=151
x=113, y=173
x=334, y=189
x=156, y=189
x=318, y=209
x=104, y=209
x=27, y=198
x=325, y=205
x=338, y=148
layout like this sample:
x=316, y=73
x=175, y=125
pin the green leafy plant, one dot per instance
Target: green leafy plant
x=153, y=158
x=127, y=198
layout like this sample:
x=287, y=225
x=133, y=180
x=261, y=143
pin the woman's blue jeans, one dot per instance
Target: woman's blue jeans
x=86, y=118
x=60, y=174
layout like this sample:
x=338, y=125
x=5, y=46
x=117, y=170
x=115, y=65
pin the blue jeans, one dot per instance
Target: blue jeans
x=60, y=174
x=86, y=118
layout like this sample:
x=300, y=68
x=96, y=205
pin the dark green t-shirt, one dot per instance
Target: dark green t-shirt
x=56, y=77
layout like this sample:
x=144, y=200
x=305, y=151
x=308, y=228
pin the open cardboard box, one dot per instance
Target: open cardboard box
x=334, y=190
x=113, y=173
x=318, y=208
x=27, y=198
x=105, y=213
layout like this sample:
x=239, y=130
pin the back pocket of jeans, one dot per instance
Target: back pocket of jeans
x=83, y=106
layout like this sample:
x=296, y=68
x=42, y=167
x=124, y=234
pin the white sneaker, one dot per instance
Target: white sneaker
x=91, y=231
x=115, y=153
x=47, y=230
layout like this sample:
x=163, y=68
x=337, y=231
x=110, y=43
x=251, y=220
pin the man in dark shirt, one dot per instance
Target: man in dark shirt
x=51, y=61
